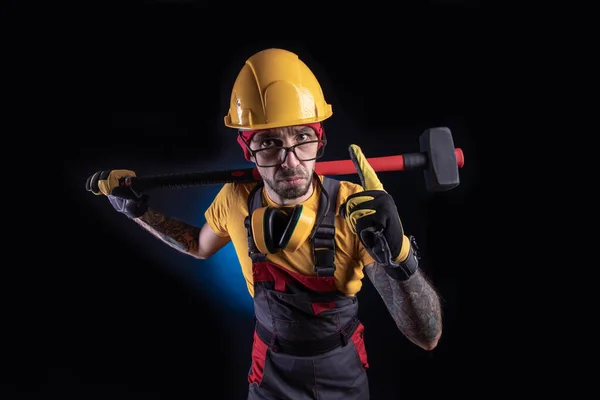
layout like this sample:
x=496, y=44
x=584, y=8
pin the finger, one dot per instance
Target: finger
x=357, y=215
x=351, y=204
x=366, y=173
x=357, y=201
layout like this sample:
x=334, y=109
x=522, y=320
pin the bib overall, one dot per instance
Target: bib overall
x=308, y=341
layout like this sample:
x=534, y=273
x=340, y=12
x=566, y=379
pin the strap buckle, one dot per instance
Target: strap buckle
x=324, y=260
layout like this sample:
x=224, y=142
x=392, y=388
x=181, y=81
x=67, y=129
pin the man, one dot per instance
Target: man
x=304, y=241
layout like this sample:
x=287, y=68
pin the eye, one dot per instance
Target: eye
x=303, y=137
x=266, y=143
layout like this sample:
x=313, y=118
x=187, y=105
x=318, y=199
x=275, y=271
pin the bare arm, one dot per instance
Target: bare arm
x=413, y=304
x=197, y=242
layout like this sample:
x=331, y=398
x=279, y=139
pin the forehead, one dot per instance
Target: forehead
x=285, y=131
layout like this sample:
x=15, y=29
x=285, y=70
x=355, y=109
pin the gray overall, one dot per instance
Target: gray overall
x=308, y=341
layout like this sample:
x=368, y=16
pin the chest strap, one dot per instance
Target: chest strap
x=322, y=237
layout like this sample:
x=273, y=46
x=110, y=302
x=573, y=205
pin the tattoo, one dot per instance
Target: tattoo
x=413, y=304
x=177, y=234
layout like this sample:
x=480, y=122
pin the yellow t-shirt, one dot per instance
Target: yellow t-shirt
x=226, y=217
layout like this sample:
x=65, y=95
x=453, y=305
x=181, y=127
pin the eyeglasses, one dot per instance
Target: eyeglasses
x=276, y=155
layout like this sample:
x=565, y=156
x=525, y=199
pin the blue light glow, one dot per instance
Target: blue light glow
x=223, y=278
x=220, y=275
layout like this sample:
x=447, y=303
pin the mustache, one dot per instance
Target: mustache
x=286, y=173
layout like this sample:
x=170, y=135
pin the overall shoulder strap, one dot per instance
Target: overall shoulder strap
x=254, y=202
x=323, y=236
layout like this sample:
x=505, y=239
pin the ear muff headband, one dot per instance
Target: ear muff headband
x=298, y=229
x=276, y=229
x=274, y=224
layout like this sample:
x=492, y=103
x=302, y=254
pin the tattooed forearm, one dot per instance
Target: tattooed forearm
x=177, y=234
x=413, y=304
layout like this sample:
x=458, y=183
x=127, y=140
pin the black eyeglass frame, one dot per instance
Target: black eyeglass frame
x=320, y=151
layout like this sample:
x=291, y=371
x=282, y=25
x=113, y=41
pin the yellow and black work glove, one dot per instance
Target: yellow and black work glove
x=122, y=197
x=373, y=216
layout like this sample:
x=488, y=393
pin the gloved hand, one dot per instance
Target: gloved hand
x=373, y=216
x=122, y=197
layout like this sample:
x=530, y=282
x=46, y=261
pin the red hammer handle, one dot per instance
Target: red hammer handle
x=379, y=164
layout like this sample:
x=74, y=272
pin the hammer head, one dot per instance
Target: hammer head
x=441, y=171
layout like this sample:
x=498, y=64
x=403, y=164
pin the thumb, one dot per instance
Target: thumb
x=366, y=173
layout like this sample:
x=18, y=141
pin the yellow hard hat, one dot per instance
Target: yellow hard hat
x=275, y=89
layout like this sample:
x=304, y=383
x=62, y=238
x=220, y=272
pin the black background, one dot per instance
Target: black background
x=145, y=86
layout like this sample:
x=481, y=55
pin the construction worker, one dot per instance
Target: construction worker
x=304, y=241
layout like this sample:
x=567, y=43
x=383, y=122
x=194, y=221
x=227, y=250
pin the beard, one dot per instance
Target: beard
x=287, y=190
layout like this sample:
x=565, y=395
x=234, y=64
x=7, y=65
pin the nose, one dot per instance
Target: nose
x=291, y=161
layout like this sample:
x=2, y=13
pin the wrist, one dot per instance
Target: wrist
x=409, y=264
x=137, y=210
x=404, y=250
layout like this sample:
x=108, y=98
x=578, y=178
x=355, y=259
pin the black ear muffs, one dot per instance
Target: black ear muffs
x=277, y=229
x=289, y=229
x=274, y=225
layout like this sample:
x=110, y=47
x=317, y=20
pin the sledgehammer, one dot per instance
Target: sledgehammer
x=438, y=159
